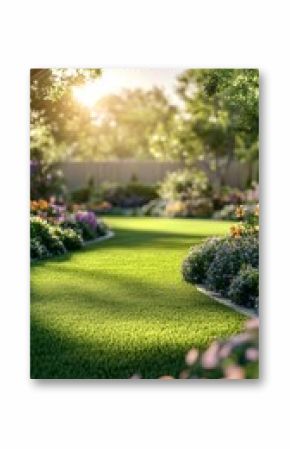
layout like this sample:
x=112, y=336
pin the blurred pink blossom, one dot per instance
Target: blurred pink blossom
x=191, y=356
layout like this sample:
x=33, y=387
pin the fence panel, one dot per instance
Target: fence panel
x=77, y=174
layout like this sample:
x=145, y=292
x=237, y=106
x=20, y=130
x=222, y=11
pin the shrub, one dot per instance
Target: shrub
x=133, y=194
x=196, y=264
x=37, y=249
x=47, y=236
x=230, y=256
x=84, y=194
x=185, y=185
x=50, y=240
x=88, y=218
x=87, y=224
x=244, y=288
x=187, y=194
x=228, y=196
x=200, y=207
x=70, y=238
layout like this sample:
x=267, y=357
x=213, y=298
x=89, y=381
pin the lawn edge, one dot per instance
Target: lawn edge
x=226, y=302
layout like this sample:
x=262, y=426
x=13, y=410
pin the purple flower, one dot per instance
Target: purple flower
x=88, y=218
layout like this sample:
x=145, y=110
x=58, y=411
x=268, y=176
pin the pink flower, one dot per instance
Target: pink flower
x=191, y=357
x=234, y=372
x=210, y=357
x=252, y=324
x=252, y=354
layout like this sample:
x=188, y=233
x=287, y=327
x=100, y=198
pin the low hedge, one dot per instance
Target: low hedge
x=228, y=266
x=244, y=288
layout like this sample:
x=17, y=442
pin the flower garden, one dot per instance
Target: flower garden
x=133, y=279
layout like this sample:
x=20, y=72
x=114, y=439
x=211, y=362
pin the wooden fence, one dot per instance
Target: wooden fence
x=77, y=174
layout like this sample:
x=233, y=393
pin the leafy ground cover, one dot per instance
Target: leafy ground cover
x=120, y=307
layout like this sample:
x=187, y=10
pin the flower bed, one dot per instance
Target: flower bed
x=229, y=265
x=54, y=230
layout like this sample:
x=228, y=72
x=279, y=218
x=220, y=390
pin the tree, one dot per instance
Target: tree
x=57, y=120
x=125, y=123
x=219, y=119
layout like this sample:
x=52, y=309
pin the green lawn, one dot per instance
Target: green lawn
x=120, y=307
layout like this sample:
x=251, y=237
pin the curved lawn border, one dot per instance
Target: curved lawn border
x=109, y=235
x=226, y=302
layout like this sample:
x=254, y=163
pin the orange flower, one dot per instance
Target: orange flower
x=236, y=231
x=42, y=204
x=240, y=212
x=33, y=205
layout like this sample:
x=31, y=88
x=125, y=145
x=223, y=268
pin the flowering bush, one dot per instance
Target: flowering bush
x=83, y=222
x=231, y=196
x=250, y=223
x=48, y=210
x=229, y=265
x=70, y=238
x=186, y=194
x=236, y=358
x=185, y=185
x=44, y=235
x=88, y=218
x=199, y=207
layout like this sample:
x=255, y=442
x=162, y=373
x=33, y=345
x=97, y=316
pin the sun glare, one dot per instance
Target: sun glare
x=112, y=81
x=89, y=93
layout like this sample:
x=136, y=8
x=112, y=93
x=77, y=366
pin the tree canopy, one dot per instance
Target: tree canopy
x=216, y=121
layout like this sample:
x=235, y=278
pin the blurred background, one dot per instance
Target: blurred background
x=160, y=142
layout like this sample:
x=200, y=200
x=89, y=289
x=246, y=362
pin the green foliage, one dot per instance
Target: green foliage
x=218, y=122
x=58, y=122
x=85, y=194
x=184, y=185
x=133, y=194
x=125, y=123
x=51, y=240
x=244, y=288
x=187, y=194
x=46, y=179
x=217, y=262
x=230, y=256
x=37, y=249
x=195, y=265
x=70, y=238
x=47, y=236
x=120, y=307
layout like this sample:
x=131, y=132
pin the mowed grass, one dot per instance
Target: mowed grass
x=120, y=307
